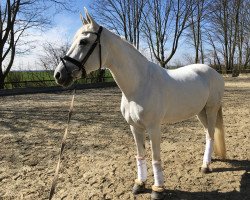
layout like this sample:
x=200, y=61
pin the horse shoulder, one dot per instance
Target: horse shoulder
x=141, y=110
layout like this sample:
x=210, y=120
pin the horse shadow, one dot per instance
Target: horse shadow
x=242, y=194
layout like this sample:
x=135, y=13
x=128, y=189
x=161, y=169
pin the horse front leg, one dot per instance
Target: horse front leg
x=139, y=137
x=158, y=191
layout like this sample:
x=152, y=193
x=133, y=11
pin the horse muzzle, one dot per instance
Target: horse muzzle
x=63, y=78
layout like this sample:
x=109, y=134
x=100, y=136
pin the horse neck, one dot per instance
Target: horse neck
x=127, y=65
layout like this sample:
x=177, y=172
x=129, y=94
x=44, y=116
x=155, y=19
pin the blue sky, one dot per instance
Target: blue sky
x=72, y=20
x=65, y=25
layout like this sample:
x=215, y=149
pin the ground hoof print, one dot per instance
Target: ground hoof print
x=206, y=170
x=158, y=195
x=139, y=188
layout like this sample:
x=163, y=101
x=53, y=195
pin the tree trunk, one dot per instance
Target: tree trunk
x=2, y=81
x=196, y=55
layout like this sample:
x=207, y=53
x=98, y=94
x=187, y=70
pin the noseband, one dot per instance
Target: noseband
x=80, y=64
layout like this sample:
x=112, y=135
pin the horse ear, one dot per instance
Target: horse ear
x=84, y=21
x=89, y=18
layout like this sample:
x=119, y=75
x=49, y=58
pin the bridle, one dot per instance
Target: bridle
x=80, y=64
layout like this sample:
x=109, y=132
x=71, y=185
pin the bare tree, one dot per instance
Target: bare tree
x=52, y=53
x=214, y=57
x=50, y=57
x=16, y=18
x=243, y=36
x=122, y=16
x=196, y=29
x=224, y=22
x=163, y=25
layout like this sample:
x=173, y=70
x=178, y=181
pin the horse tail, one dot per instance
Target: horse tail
x=219, y=137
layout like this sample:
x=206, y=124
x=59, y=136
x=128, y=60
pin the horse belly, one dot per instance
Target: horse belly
x=185, y=104
x=178, y=117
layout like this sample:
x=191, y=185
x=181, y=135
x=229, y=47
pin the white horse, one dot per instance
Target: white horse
x=151, y=95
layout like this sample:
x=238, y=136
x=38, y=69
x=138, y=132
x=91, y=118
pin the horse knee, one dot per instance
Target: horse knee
x=139, y=137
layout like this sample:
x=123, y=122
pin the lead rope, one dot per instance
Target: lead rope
x=53, y=185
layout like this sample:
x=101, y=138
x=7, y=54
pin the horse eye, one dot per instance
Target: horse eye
x=83, y=42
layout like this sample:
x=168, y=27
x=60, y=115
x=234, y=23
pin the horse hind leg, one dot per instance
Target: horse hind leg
x=211, y=118
x=208, y=118
x=202, y=116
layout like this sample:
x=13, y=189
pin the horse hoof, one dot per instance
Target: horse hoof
x=158, y=195
x=206, y=170
x=139, y=187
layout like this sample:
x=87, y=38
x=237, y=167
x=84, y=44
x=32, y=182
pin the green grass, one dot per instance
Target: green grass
x=22, y=79
x=29, y=76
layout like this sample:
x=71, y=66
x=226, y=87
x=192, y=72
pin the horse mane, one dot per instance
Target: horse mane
x=129, y=44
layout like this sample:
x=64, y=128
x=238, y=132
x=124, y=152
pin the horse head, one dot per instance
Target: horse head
x=84, y=55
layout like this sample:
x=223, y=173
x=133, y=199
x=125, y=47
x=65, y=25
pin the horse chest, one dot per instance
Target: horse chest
x=132, y=112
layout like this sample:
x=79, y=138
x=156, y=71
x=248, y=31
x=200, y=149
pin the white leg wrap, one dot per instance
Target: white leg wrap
x=142, y=169
x=158, y=173
x=208, y=152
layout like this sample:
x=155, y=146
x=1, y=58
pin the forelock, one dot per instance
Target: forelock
x=81, y=30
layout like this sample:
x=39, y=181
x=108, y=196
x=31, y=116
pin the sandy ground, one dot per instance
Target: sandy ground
x=99, y=159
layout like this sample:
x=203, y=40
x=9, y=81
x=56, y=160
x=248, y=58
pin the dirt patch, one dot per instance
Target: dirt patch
x=99, y=159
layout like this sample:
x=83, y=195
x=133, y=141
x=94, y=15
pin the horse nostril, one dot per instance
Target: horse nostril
x=58, y=75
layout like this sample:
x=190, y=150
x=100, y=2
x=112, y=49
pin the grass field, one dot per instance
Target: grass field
x=29, y=76
x=22, y=79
